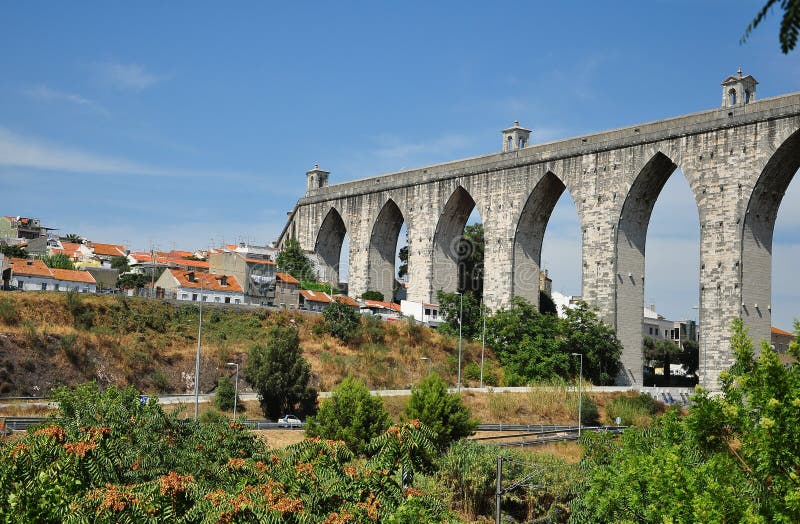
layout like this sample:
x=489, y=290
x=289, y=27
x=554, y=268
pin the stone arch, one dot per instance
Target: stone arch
x=755, y=271
x=529, y=236
x=329, y=245
x=631, y=236
x=383, y=249
x=446, y=241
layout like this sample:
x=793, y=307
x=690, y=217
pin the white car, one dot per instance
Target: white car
x=290, y=421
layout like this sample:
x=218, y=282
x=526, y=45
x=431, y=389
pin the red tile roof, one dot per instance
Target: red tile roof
x=315, y=296
x=259, y=261
x=347, y=301
x=778, y=331
x=180, y=254
x=31, y=268
x=384, y=305
x=209, y=282
x=70, y=275
x=286, y=277
x=188, y=263
x=108, y=250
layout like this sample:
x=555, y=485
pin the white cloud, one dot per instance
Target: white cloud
x=128, y=77
x=33, y=153
x=47, y=94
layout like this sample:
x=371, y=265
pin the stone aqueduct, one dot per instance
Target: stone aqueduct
x=738, y=160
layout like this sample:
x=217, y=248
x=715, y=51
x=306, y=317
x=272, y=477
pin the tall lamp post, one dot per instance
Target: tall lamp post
x=197, y=357
x=580, y=392
x=460, y=314
x=235, y=388
x=483, y=339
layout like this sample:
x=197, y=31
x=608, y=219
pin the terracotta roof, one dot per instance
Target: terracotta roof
x=778, y=331
x=384, y=305
x=110, y=250
x=209, y=282
x=347, y=301
x=31, y=268
x=286, y=277
x=188, y=263
x=70, y=275
x=430, y=305
x=259, y=261
x=71, y=246
x=180, y=254
x=315, y=296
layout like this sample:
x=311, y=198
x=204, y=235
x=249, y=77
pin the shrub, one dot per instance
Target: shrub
x=82, y=315
x=443, y=412
x=225, y=396
x=372, y=295
x=8, y=312
x=341, y=321
x=351, y=414
x=632, y=411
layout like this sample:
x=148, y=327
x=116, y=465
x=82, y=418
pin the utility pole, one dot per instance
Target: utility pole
x=580, y=392
x=197, y=358
x=460, y=314
x=498, y=492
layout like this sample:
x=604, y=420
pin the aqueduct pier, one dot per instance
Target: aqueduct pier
x=738, y=160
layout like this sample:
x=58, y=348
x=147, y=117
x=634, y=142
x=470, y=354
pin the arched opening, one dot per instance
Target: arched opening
x=330, y=239
x=757, y=239
x=632, y=233
x=732, y=97
x=383, y=250
x=559, y=237
x=450, y=251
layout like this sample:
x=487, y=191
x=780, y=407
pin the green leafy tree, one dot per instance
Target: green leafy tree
x=451, y=307
x=120, y=263
x=661, y=352
x=341, y=321
x=351, y=414
x=225, y=396
x=280, y=374
x=132, y=281
x=15, y=251
x=528, y=344
x=790, y=24
x=733, y=458
x=402, y=255
x=73, y=237
x=293, y=260
x=441, y=411
x=586, y=334
x=58, y=261
x=372, y=295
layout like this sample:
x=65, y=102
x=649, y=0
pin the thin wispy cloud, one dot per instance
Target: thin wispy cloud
x=47, y=94
x=126, y=77
x=32, y=153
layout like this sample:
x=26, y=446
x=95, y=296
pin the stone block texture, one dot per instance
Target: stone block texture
x=738, y=162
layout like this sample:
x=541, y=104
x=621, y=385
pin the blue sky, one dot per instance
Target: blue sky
x=182, y=124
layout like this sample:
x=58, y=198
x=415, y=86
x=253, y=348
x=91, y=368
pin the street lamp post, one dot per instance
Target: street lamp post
x=235, y=388
x=483, y=339
x=580, y=392
x=197, y=357
x=460, y=314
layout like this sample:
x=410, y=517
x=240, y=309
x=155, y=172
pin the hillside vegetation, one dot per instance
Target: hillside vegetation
x=52, y=339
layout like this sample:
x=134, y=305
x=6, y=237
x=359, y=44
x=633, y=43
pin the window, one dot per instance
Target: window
x=44, y=286
x=194, y=296
x=746, y=96
x=205, y=298
x=732, y=97
x=427, y=311
x=651, y=330
x=227, y=300
x=216, y=299
x=236, y=301
x=521, y=143
x=184, y=296
x=57, y=286
x=510, y=143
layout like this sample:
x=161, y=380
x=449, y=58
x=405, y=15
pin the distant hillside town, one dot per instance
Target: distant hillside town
x=34, y=258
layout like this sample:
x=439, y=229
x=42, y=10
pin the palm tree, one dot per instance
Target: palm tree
x=72, y=237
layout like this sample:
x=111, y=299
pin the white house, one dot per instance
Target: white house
x=195, y=286
x=34, y=275
x=421, y=312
